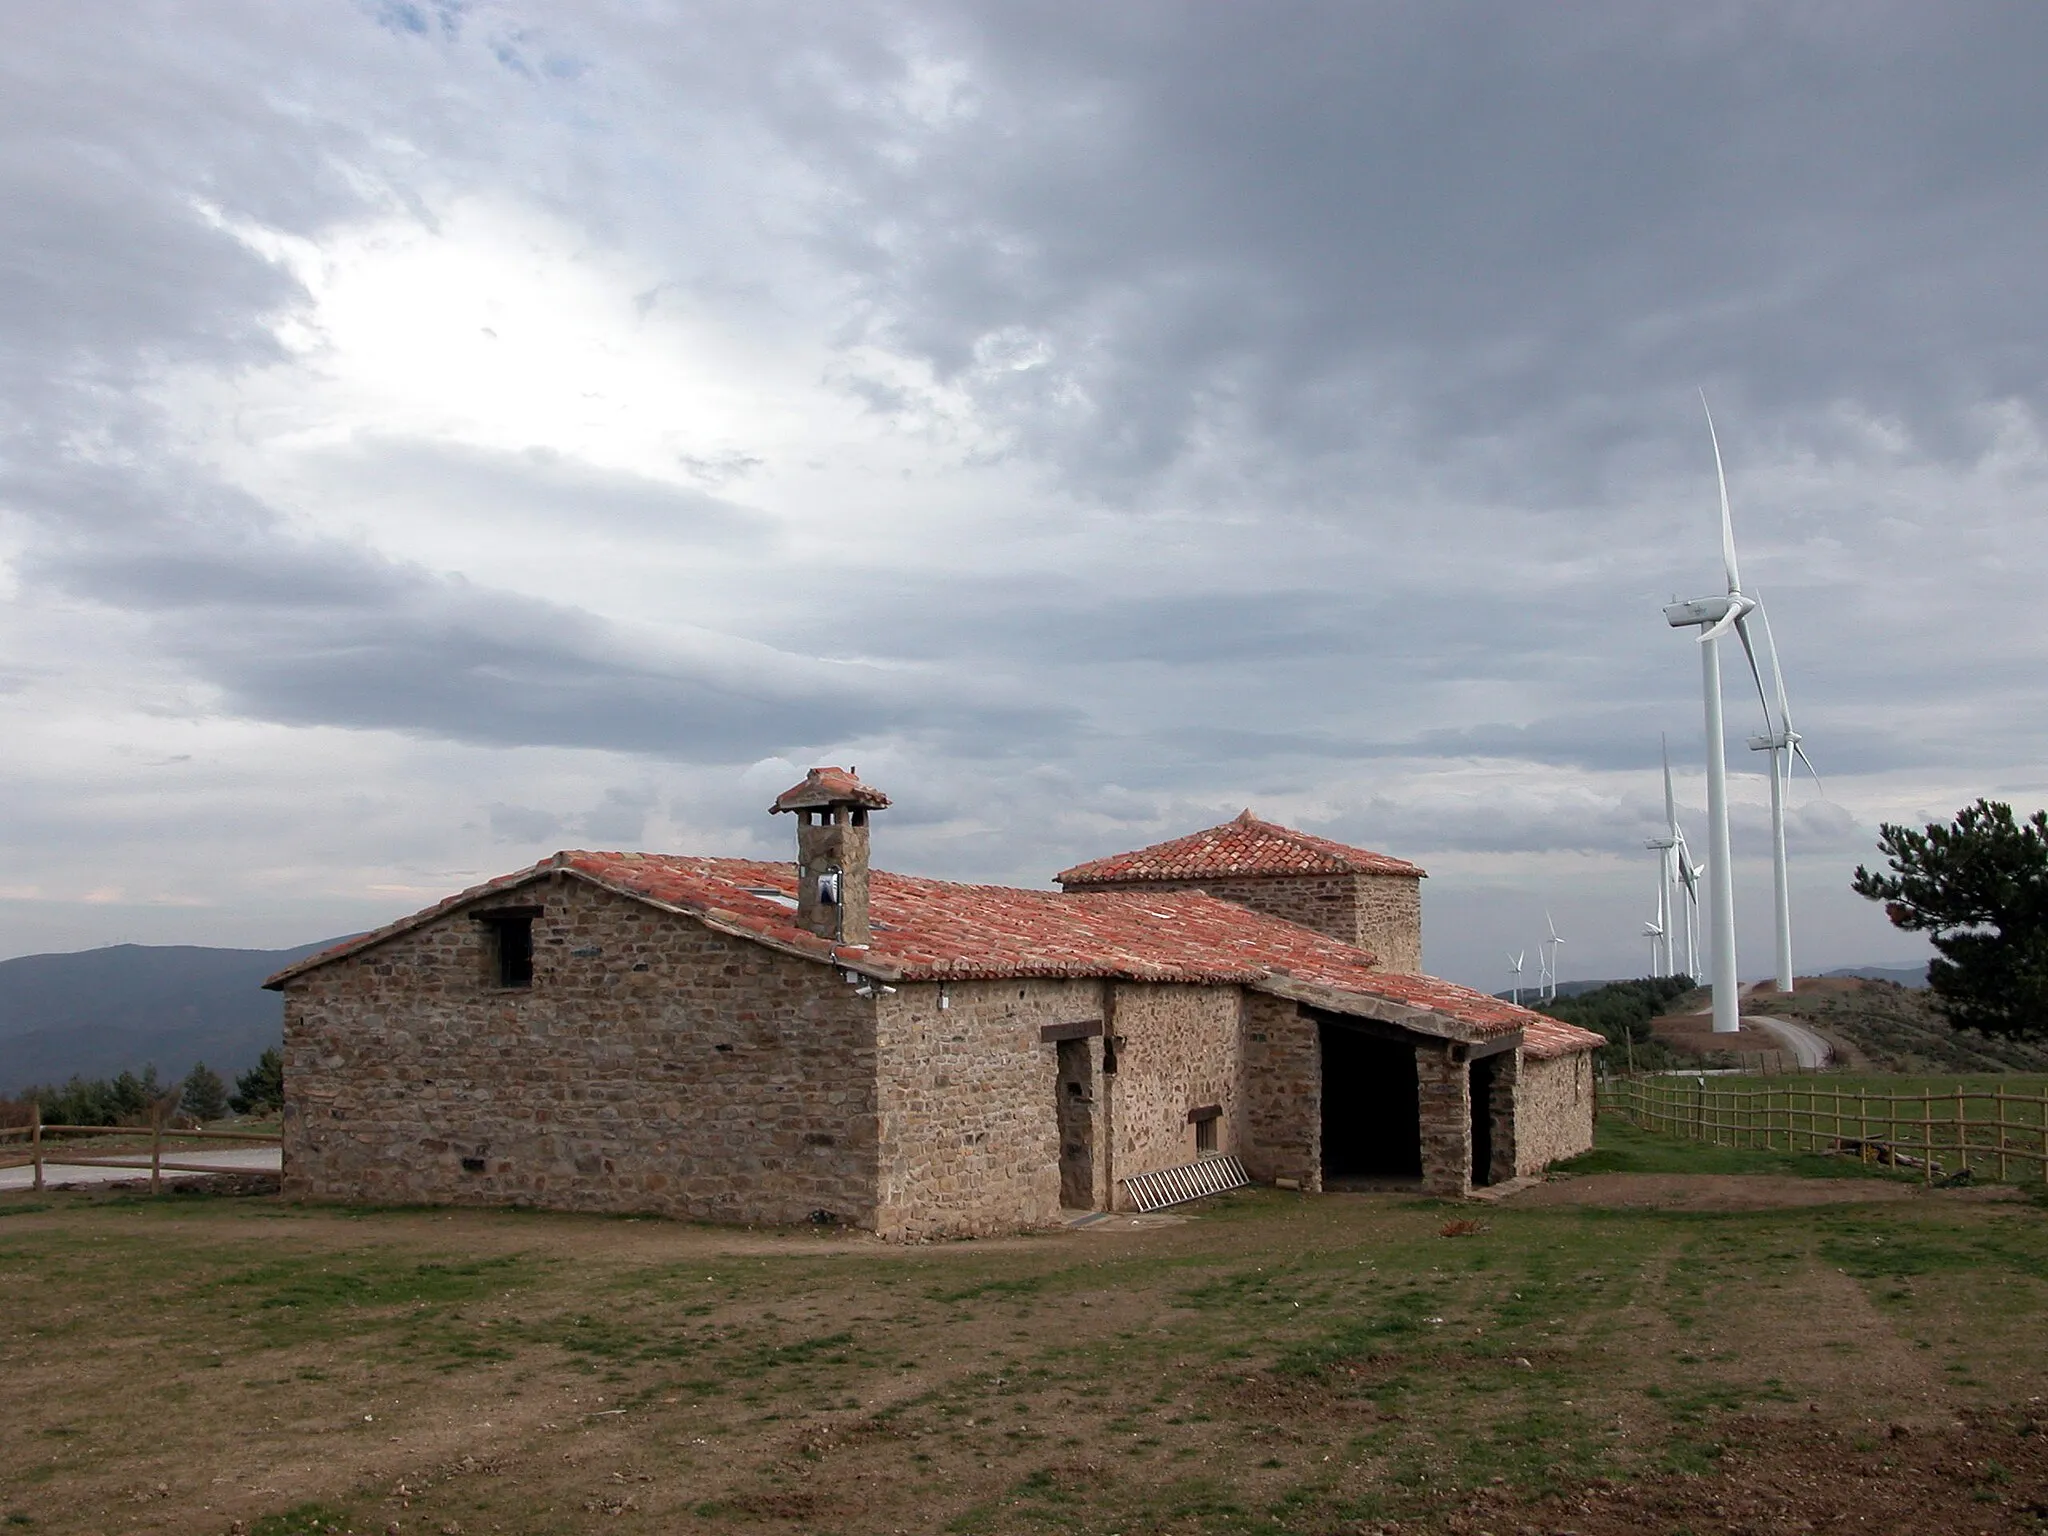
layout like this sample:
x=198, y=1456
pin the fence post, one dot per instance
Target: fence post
x=1998, y=1108
x=1927, y=1136
x=156, y=1154
x=1962, y=1132
x=35, y=1138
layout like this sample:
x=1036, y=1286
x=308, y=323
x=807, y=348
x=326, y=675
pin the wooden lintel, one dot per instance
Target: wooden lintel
x=1086, y=1029
x=1493, y=1047
x=1205, y=1112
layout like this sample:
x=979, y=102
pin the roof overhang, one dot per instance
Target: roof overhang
x=1383, y=1010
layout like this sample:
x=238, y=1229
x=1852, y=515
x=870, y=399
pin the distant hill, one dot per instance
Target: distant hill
x=102, y=1011
x=1904, y=975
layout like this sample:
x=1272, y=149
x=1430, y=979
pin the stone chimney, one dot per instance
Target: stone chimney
x=831, y=808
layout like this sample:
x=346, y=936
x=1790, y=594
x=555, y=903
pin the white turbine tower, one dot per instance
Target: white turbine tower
x=1783, y=743
x=1715, y=616
x=1689, y=877
x=1653, y=930
x=1551, y=945
x=1515, y=964
x=1662, y=962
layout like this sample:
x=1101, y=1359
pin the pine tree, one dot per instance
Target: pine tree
x=1979, y=887
x=260, y=1090
x=206, y=1096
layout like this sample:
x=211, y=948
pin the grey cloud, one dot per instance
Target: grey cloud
x=540, y=486
x=1540, y=227
x=523, y=823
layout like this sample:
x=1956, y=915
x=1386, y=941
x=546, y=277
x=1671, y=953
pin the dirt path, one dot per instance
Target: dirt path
x=1710, y=1191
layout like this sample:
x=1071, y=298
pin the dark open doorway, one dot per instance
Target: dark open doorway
x=1482, y=1119
x=1076, y=1117
x=1372, y=1116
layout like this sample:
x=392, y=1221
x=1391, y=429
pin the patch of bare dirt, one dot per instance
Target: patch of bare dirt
x=1987, y=1474
x=1712, y=1191
x=1693, y=1035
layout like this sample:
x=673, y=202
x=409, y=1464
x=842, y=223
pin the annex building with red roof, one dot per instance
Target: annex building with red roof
x=744, y=1040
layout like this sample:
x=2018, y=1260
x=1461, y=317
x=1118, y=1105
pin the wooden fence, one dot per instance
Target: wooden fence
x=1990, y=1134
x=39, y=1145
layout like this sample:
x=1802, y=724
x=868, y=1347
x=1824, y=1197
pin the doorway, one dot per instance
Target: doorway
x=1482, y=1120
x=1074, y=1111
x=1372, y=1114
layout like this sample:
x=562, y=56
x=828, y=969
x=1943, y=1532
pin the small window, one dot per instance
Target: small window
x=511, y=939
x=1205, y=1135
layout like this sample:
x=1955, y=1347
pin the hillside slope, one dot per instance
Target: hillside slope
x=102, y=1011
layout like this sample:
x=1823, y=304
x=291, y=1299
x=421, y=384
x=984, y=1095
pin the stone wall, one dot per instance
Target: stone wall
x=1283, y=1087
x=968, y=1132
x=1443, y=1079
x=1502, y=1108
x=1388, y=920
x=1553, y=1109
x=1178, y=1049
x=653, y=1065
x=1382, y=913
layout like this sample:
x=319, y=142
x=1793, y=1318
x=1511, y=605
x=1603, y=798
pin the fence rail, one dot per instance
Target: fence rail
x=36, y=1138
x=1988, y=1134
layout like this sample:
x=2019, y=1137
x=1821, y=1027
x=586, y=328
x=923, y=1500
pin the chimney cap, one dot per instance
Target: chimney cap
x=823, y=788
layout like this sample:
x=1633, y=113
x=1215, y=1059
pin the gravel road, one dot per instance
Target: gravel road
x=1812, y=1051
x=227, y=1160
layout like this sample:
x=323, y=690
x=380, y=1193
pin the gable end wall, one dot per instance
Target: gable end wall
x=652, y=1066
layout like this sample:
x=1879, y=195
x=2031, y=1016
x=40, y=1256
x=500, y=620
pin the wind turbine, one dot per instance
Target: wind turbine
x=1666, y=849
x=1653, y=930
x=1551, y=944
x=1715, y=616
x=1689, y=877
x=1783, y=743
x=1515, y=962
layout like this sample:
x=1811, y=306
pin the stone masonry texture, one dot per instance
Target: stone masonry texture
x=653, y=1065
x=1553, y=1110
x=1381, y=913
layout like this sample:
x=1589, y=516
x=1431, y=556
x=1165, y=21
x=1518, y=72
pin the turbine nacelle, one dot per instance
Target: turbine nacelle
x=1715, y=615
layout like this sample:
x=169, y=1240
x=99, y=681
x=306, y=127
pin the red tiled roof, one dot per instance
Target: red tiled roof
x=1547, y=1037
x=829, y=786
x=935, y=930
x=1246, y=846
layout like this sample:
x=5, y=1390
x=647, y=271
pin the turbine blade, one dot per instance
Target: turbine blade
x=1755, y=674
x=1720, y=626
x=1777, y=673
x=1727, y=517
x=1800, y=752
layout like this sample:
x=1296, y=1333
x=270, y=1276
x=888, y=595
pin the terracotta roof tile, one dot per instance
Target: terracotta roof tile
x=935, y=930
x=1545, y=1037
x=829, y=786
x=1245, y=846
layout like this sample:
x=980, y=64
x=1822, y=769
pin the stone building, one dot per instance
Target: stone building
x=741, y=1040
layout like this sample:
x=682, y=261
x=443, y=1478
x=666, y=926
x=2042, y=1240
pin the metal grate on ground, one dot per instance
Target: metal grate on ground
x=1191, y=1181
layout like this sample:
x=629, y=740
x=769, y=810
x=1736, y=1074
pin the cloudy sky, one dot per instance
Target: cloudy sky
x=439, y=433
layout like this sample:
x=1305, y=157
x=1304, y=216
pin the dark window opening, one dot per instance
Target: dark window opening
x=1205, y=1135
x=512, y=940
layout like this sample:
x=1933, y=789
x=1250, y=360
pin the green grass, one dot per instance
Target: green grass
x=1624, y=1148
x=1808, y=1113
x=1277, y=1363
